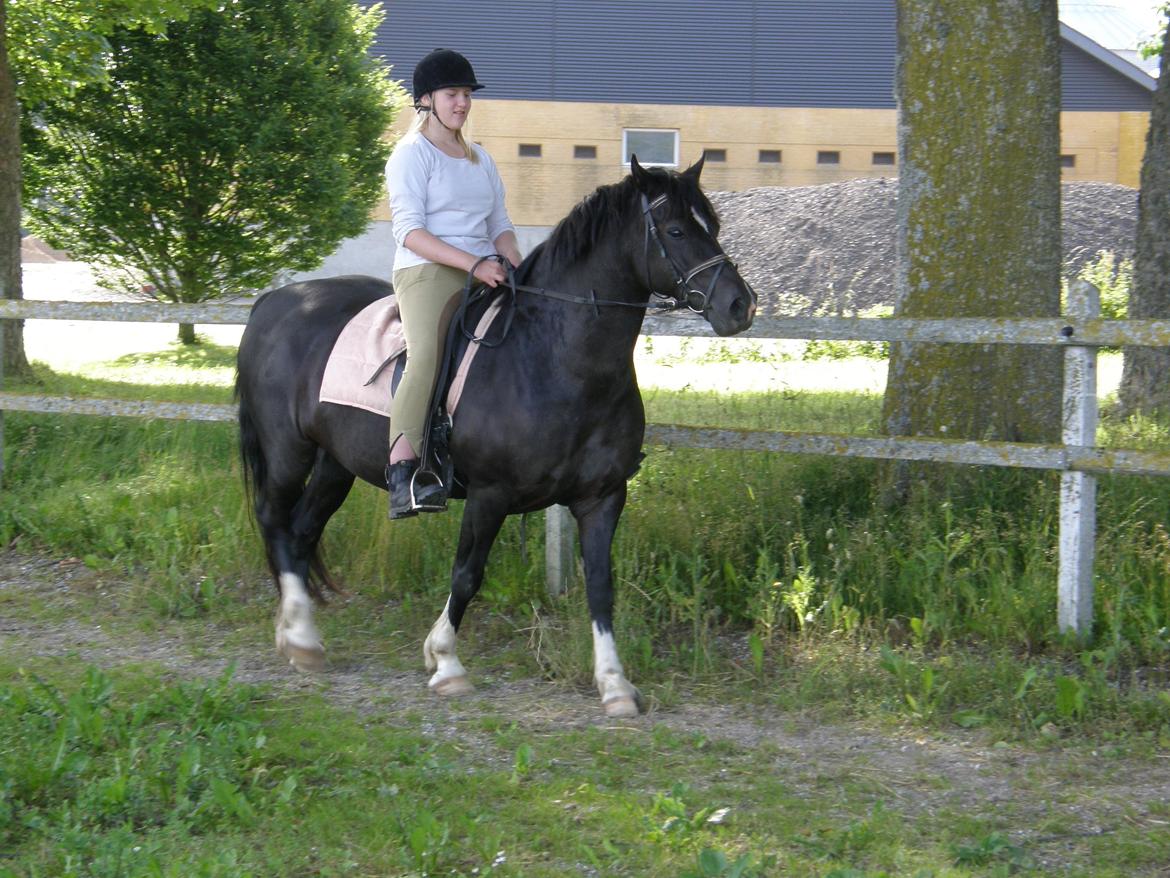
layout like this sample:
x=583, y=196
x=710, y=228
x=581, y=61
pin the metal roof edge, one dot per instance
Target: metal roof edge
x=1108, y=58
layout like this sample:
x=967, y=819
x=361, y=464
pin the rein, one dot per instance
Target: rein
x=686, y=295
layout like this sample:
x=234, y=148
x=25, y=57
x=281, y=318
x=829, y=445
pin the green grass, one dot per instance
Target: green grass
x=763, y=582
x=201, y=373
x=129, y=773
x=779, y=549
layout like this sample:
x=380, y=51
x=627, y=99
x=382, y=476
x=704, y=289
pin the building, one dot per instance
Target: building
x=774, y=92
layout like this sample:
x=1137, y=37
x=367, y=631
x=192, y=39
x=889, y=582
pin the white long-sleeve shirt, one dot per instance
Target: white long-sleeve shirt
x=456, y=200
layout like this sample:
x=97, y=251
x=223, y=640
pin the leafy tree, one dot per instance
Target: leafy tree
x=12, y=332
x=47, y=49
x=1145, y=380
x=978, y=228
x=243, y=141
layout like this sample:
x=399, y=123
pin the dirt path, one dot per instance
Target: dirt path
x=1074, y=790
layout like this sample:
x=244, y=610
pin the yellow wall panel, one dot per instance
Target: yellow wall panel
x=1107, y=146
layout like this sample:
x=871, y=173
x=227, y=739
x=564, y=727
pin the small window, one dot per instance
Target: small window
x=651, y=146
x=883, y=158
x=1068, y=161
x=828, y=157
x=769, y=156
x=530, y=150
x=715, y=155
x=584, y=152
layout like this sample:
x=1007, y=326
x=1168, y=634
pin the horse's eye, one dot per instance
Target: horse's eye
x=675, y=232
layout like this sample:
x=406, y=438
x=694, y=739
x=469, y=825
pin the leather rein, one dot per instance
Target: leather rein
x=686, y=293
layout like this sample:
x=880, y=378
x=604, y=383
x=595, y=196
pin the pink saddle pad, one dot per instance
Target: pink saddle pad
x=372, y=338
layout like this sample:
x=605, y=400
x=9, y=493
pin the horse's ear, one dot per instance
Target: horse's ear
x=641, y=177
x=697, y=168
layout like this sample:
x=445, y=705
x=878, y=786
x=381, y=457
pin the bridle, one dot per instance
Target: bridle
x=686, y=294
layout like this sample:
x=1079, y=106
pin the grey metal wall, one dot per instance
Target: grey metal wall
x=775, y=53
x=788, y=53
x=1087, y=84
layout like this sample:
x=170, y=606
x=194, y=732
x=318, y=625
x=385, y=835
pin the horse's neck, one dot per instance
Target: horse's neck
x=601, y=337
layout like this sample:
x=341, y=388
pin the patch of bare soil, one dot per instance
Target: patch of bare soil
x=913, y=774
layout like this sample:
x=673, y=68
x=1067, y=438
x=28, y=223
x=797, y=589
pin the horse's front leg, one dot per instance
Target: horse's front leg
x=596, y=523
x=483, y=515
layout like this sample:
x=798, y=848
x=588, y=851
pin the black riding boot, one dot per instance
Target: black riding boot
x=412, y=492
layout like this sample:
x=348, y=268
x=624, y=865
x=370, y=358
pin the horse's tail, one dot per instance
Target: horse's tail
x=253, y=465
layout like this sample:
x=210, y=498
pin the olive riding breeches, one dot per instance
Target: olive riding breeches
x=428, y=296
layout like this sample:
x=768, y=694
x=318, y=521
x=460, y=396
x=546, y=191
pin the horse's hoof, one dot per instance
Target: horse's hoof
x=622, y=706
x=306, y=659
x=451, y=686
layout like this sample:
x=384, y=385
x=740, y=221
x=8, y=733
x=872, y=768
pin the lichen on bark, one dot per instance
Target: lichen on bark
x=1145, y=380
x=978, y=226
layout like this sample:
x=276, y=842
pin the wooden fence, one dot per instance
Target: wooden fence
x=1080, y=332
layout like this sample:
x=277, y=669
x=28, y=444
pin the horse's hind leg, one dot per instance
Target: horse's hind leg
x=596, y=523
x=483, y=515
x=296, y=520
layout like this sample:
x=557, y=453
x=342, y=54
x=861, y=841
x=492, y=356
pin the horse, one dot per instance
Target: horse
x=553, y=415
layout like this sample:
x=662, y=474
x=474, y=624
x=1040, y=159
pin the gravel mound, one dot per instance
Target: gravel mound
x=830, y=249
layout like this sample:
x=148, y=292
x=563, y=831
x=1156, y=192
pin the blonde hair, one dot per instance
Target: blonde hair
x=419, y=122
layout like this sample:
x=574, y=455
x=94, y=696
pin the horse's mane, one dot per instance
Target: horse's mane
x=600, y=212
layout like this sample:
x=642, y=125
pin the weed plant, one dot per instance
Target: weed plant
x=125, y=773
x=117, y=780
x=762, y=567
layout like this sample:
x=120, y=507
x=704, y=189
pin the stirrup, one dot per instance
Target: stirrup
x=410, y=494
x=427, y=492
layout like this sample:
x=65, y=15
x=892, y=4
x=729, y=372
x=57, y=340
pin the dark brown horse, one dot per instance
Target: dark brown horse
x=551, y=416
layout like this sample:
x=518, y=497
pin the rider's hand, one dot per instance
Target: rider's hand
x=491, y=273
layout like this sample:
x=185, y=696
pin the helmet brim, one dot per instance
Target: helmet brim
x=474, y=86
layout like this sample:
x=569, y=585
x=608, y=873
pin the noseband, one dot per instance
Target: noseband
x=686, y=294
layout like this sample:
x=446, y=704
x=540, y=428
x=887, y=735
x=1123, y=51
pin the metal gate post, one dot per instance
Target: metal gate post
x=1078, y=491
x=559, y=558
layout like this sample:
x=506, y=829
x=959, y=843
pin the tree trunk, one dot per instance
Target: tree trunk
x=15, y=363
x=1145, y=378
x=978, y=219
x=187, y=333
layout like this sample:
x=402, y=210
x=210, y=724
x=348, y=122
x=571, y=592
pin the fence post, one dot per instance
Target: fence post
x=559, y=558
x=1078, y=491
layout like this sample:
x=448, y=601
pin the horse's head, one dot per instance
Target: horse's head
x=682, y=256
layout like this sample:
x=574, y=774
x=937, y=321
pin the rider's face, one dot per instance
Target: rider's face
x=451, y=105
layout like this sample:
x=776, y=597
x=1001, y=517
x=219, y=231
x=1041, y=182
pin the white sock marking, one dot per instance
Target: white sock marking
x=607, y=667
x=439, y=650
x=295, y=623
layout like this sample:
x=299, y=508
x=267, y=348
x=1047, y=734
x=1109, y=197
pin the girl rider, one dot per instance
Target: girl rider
x=447, y=203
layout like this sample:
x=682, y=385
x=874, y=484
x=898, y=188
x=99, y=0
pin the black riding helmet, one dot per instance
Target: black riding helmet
x=443, y=68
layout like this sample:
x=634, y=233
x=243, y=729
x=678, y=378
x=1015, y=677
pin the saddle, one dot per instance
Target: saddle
x=369, y=358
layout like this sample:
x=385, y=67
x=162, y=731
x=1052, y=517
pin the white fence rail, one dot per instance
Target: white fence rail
x=1081, y=332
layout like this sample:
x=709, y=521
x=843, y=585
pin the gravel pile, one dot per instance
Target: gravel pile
x=830, y=248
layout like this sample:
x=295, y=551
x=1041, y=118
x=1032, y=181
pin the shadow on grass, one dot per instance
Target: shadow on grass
x=203, y=355
x=48, y=382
